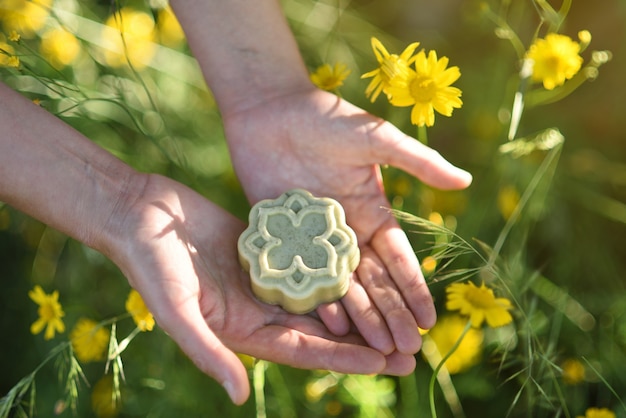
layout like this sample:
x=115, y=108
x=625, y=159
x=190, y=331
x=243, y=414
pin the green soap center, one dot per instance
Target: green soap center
x=297, y=240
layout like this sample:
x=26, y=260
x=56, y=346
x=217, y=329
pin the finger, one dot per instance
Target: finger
x=366, y=317
x=399, y=364
x=391, y=146
x=394, y=249
x=334, y=316
x=294, y=348
x=390, y=302
x=186, y=325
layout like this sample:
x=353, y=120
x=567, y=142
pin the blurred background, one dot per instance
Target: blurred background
x=563, y=262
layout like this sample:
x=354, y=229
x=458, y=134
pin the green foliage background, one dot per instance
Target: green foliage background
x=571, y=233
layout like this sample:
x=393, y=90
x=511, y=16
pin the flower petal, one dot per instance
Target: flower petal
x=379, y=50
x=406, y=55
x=477, y=318
x=423, y=114
x=37, y=326
x=37, y=295
x=448, y=76
x=49, y=331
x=498, y=317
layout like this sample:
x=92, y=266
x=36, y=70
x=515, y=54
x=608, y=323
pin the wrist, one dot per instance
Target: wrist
x=245, y=48
x=259, y=89
x=112, y=228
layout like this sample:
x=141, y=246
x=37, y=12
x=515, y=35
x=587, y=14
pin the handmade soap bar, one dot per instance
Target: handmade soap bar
x=298, y=250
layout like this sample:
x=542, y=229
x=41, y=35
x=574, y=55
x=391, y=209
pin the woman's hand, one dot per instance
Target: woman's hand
x=180, y=252
x=317, y=141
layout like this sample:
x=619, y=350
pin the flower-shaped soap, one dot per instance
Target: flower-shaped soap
x=298, y=250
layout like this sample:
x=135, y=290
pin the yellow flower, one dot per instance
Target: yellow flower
x=508, y=198
x=555, y=59
x=59, y=47
x=330, y=78
x=315, y=389
x=13, y=62
x=445, y=334
x=6, y=52
x=573, y=372
x=170, y=32
x=50, y=313
x=392, y=67
x=128, y=36
x=138, y=309
x=333, y=408
x=598, y=413
x=24, y=16
x=479, y=304
x=427, y=89
x=14, y=36
x=89, y=340
x=584, y=36
x=429, y=264
x=248, y=361
x=103, y=400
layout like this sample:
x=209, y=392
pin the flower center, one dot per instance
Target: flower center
x=423, y=89
x=331, y=82
x=552, y=63
x=47, y=312
x=479, y=298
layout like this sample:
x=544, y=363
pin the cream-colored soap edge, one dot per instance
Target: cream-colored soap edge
x=319, y=296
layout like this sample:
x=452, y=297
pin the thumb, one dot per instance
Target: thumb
x=391, y=146
x=188, y=328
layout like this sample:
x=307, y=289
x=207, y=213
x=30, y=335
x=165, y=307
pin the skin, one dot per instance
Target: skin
x=179, y=250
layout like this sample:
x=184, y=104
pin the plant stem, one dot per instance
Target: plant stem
x=422, y=134
x=433, y=378
x=530, y=190
x=410, y=398
x=258, y=376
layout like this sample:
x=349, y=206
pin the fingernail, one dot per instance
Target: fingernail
x=230, y=389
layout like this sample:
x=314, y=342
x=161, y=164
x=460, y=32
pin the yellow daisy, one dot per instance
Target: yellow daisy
x=330, y=78
x=479, y=304
x=427, y=89
x=6, y=54
x=573, y=371
x=170, y=32
x=89, y=340
x=50, y=313
x=14, y=36
x=429, y=264
x=392, y=67
x=104, y=402
x=59, y=47
x=25, y=17
x=445, y=335
x=598, y=413
x=556, y=59
x=129, y=36
x=137, y=308
x=13, y=62
x=508, y=199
